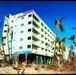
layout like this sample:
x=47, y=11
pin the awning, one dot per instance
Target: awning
x=22, y=52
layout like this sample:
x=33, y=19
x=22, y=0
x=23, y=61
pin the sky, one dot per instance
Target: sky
x=46, y=10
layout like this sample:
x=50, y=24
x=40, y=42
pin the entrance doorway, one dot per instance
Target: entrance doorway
x=21, y=58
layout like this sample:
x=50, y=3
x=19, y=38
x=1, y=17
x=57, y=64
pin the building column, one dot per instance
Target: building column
x=50, y=60
x=44, y=60
x=40, y=60
x=36, y=59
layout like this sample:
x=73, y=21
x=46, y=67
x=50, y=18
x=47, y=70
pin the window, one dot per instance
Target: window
x=21, y=31
x=45, y=33
x=20, y=47
x=14, y=40
x=29, y=15
x=11, y=27
x=22, y=17
x=12, y=21
x=5, y=30
x=14, y=32
x=22, y=24
x=21, y=39
x=5, y=24
x=48, y=30
x=49, y=50
x=45, y=38
x=45, y=49
x=28, y=46
x=29, y=22
x=4, y=44
x=29, y=30
x=29, y=38
x=48, y=35
x=13, y=47
x=42, y=48
x=45, y=28
x=42, y=24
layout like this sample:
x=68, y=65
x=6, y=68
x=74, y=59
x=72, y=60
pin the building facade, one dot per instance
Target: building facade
x=27, y=31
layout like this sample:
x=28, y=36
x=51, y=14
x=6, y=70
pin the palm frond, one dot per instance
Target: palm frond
x=61, y=27
x=64, y=38
x=72, y=37
x=55, y=20
x=72, y=47
x=63, y=17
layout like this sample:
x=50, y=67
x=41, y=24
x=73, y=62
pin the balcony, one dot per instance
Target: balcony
x=36, y=28
x=38, y=23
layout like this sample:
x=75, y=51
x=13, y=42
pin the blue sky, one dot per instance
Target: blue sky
x=47, y=10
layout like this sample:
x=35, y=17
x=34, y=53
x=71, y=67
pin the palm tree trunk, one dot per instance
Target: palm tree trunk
x=57, y=30
x=62, y=57
x=3, y=53
x=8, y=40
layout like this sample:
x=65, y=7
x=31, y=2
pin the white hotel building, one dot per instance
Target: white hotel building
x=29, y=33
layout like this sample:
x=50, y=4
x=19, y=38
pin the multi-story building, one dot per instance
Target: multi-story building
x=29, y=33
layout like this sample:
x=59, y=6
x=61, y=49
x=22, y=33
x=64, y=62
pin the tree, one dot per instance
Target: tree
x=72, y=37
x=1, y=39
x=58, y=24
x=63, y=47
x=71, y=53
x=72, y=47
x=7, y=36
x=55, y=60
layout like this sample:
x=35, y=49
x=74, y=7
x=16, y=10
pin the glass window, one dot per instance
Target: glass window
x=21, y=31
x=28, y=46
x=22, y=17
x=29, y=38
x=5, y=30
x=4, y=44
x=29, y=22
x=12, y=21
x=13, y=47
x=5, y=24
x=21, y=39
x=29, y=15
x=20, y=47
x=11, y=27
x=29, y=30
x=22, y=24
x=42, y=24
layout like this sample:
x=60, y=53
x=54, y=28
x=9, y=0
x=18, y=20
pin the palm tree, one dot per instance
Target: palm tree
x=63, y=47
x=72, y=46
x=55, y=60
x=71, y=53
x=72, y=37
x=7, y=34
x=58, y=24
x=74, y=42
x=3, y=52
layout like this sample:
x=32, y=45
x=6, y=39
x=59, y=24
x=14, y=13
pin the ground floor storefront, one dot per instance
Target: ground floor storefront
x=35, y=58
